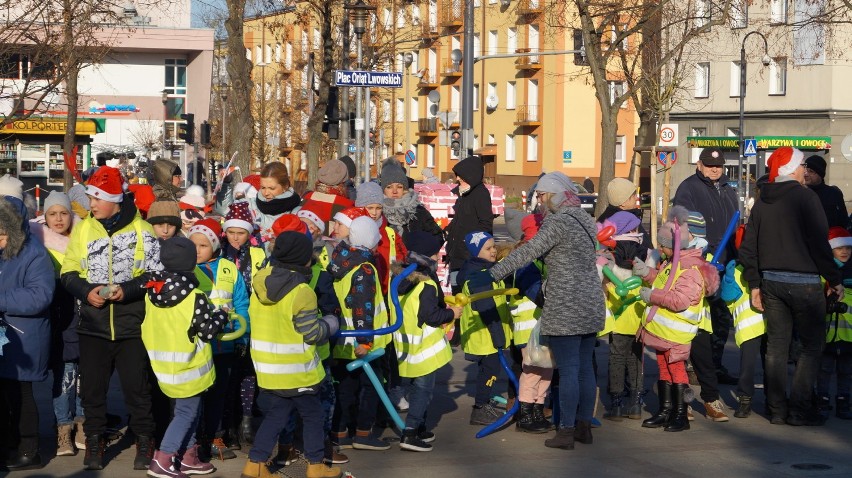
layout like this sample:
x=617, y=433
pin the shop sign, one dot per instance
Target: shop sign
x=48, y=127
x=763, y=142
x=96, y=108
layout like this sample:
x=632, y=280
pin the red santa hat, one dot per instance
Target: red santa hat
x=288, y=222
x=143, y=195
x=210, y=228
x=348, y=215
x=839, y=237
x=530, y=225
x=783, y=162
x=309, y=212
x=240, y=216
x=106, y=184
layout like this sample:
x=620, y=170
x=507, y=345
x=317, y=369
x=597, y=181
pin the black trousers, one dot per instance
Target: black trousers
x=701, y=356
x=18, y=416
x=214, y=398
x=98, y=359
x=357, y=399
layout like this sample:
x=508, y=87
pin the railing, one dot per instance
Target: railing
x=529, y=7
x=452, y=13
x=532, y=61
x=428, y=30
x=427, y=79
x=528, y=114
x=427, y=125
x=450, y=69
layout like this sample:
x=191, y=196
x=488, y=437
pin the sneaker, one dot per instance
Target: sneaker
x=367, y=441
x=218, y=449
x=331, y=455
x=425, y=436
x=689, y=416
x=744, y=408
x=484, y=415
x=411, y=441
x=163, y=466
x=715, y=411
x=190, y=464
x=64, y=445
x=341, y=440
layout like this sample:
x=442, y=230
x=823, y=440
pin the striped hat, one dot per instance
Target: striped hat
x=697, y=225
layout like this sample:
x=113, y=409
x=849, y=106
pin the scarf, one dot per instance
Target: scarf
x=338, y=190
x=400, y=212
x=283, y=203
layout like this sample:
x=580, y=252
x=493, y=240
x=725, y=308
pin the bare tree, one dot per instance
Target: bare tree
x=240, y=122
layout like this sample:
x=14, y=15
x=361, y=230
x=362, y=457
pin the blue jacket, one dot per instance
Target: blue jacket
x=26, y=290
x=241, y=304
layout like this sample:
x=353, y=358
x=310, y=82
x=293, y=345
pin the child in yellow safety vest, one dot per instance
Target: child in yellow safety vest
x=420, y=344
x=837, y=354
x=675, y=310
x=486, y=325
x=180, y=322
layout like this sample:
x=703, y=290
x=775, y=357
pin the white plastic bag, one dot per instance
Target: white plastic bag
x=538, y=355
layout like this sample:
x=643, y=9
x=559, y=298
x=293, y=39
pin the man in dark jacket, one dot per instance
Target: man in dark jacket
x=472, y=212
x=831, y=197
x=784, y=253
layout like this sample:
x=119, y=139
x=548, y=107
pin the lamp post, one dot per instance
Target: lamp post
x=766, y=60
x=165, y=98
x=467, y=81
x=262, y=150
x=407, y=60
x=223, y=93
x=358, y=13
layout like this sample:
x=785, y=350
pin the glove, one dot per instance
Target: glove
x=640, y=269
x=645, y=294
x=730, y=290
x=331, y=323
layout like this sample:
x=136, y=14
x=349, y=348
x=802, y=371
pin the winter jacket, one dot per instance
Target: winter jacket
x=407, y=215
x=433, y=310
x=163, y=171
x=574, y=299
x=362, y=291
x=472, y=211
x=282, y=204
x=717, y=202
x=109, y=256
x=240, y=301
x=787, y=232
x=833, y=203
x=690, y=288
x=26, y=289
x=384, y=256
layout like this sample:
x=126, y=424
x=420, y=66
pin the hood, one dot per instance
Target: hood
x=166, y=289
x=426, y=269
x=774, y=192
x=471, y=170
x=695, y=258
x=51, y=240
x=271, y=284
x=163, y=171
x=13, y=215
x=345, y=258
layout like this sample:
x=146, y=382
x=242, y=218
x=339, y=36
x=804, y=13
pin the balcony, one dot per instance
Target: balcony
x=532, y=62
x=429, y=32
x=530, y=7
x=452, y=13
x=427, y=127
x=451, y=70
x=428, y=80
x=528, y=115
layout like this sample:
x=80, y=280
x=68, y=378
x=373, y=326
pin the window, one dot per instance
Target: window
x=739, y=13
x=400, y=16
x=415, y=14
x=475, y=96
x=735, y=79
x=702, y=80
x=388, y=19
x=490, y=139
x=175, y=77
x=477, y=45
x=510, y=147
x=317, y=40
x=616, y=89
x=248, y=54
x=400, y=110
x=778, y=76
x=695, y=152
x=620, y=150
x=267, y=54
x=492, y=89
x=510, y=95
x=455, y=96
x=702, y=13
x=386, y=110
x=777, y=12
x=430, y=155
x=475, y=141
x=532, y=148
x=277, y=52
x=732, y=132
x=258, y=54
x=415, y=109
x=580, y=45
x=511, y=40
x=492, y=42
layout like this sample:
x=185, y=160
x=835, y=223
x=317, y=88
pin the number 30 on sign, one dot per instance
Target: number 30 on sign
x=668, y=135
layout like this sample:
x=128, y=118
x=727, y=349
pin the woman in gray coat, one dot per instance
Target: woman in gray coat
x=574, y=306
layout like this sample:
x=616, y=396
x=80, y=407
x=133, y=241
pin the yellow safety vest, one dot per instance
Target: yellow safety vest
x=524, y=316
x=609, y=322
x=221, y=292
x=475, y=338
x=57, y=258
x=282, y=360
x=257, y=257
x=748, y=322
x=420, y=350
x=183, y=369
x=839, y=326
x=677, y=327
x=631, y=318
x=345, y=347
x=323, y=349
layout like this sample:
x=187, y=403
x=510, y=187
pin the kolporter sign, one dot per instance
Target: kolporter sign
x=38, y=126
x=763, y=142
x=372, y=79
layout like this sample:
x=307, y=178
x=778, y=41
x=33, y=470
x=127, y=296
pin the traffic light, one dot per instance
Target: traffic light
x=205, y=133
x=187, y=129
x=372, y=139
x=455, y=142
x=331, y=124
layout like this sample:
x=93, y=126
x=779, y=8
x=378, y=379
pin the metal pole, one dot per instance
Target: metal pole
x=263, y=111
x=407, y=119
x=224, y=122
x=367, y=125
x=165, y=116
x=343, y=148
x=467, y=81
x=359, y=163
x=741, y=148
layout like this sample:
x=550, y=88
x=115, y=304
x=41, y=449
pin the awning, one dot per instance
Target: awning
x=763, y=142
x=487, y=150
x=85, y=127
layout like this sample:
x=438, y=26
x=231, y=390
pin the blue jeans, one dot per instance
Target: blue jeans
x=180, y=434
x=573, y=356
x=419, y=396
x=66, y=401
x=276, y=413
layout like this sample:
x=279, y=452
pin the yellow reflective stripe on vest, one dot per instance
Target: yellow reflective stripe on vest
x=677, y=327
x=840, y=326
x=345, y=349
x=475, y=337
x=183, y=377
x=748, y=322
x=419, y=350
x=285, y=368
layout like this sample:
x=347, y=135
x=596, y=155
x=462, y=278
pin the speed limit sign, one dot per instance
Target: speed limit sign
x=668, y=135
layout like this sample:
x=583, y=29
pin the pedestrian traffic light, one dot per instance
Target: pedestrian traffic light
x=187, y=128
x=331, y=124
x=372, y=139
x=455, y=142
x=205, y=133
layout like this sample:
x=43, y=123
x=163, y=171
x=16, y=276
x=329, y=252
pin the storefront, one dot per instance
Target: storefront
x=31, y=149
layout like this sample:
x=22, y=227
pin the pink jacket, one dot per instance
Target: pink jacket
x=697, y=280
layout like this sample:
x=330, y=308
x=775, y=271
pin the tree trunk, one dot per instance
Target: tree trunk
x=315, y=121
x=72, y=71
x=240, y=121
x=609, y=131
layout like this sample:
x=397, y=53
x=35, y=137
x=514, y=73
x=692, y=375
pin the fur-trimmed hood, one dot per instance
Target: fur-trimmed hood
x=51, y=239
x=13, y=215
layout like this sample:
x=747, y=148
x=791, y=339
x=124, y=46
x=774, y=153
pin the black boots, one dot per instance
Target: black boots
x=526, y=421
x=842, y=403
x=564, y=439
x=538, y=417
x=144, y=452
x=246, y=432
x=661, y=418
x=634, y=410
x=616, y=409
x=679, y=420
x=94, y=458
x=744, y=408
x=583, y=432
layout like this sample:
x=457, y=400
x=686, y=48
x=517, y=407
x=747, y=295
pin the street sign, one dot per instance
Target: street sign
x=668, y=135
x=667, y=158
x=447, y=117
x=370, y=79
x=351, y=148
x=566, y=154
x=750, y=148
x=846, y=147
x=409, y=157
x=359, y=124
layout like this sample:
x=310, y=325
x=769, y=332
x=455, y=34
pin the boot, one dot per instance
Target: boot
x=411, y=441
x=332, y=455
x=634, y=410
x=79, y=434
x=583, y=432
x=824, y=406
x=842, y=403
x=679, y=421
x=232, y=438
x=616, y=410
x=94, y=457
x=526, y=422
x=321, y=470
x=163, y=466
x=539, y=417
x=744, y=409
x=218, y=449
x=190, y=464
x=24, y=460
x=564, y=439
x=64, y=444
x=144, y=452
x=256, y=470
x=246, y=433
x=661, y=418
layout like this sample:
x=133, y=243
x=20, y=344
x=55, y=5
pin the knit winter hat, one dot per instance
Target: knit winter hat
x=696, y=223
x=475, y=241
x=350, y=166
x=619, y=190
x=624, y=222
x=309, y=213
x=556, y=183
x=531, y=224
x=392, y=173
x=839, y=237
x=665, y=235
x=245, y=189
x=364, y=232
x=816, y=163
x=11, y=186
x=164, y=211
x=712, y=157
x=369, y=193
x=348, y=215
x=291, y=248
x=210, y=229
x=178, y=254
x=106, y=184
x=333, y=172
x=783, y=162
x=240, y=216
x=57, y=198
x=513, y=218
x=288, y=222
x=423, y=242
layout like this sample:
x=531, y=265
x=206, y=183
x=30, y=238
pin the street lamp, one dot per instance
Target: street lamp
x=165, y=98
x=223, y=93
x=766, y=61
x=407, y=60
x=358, y=13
